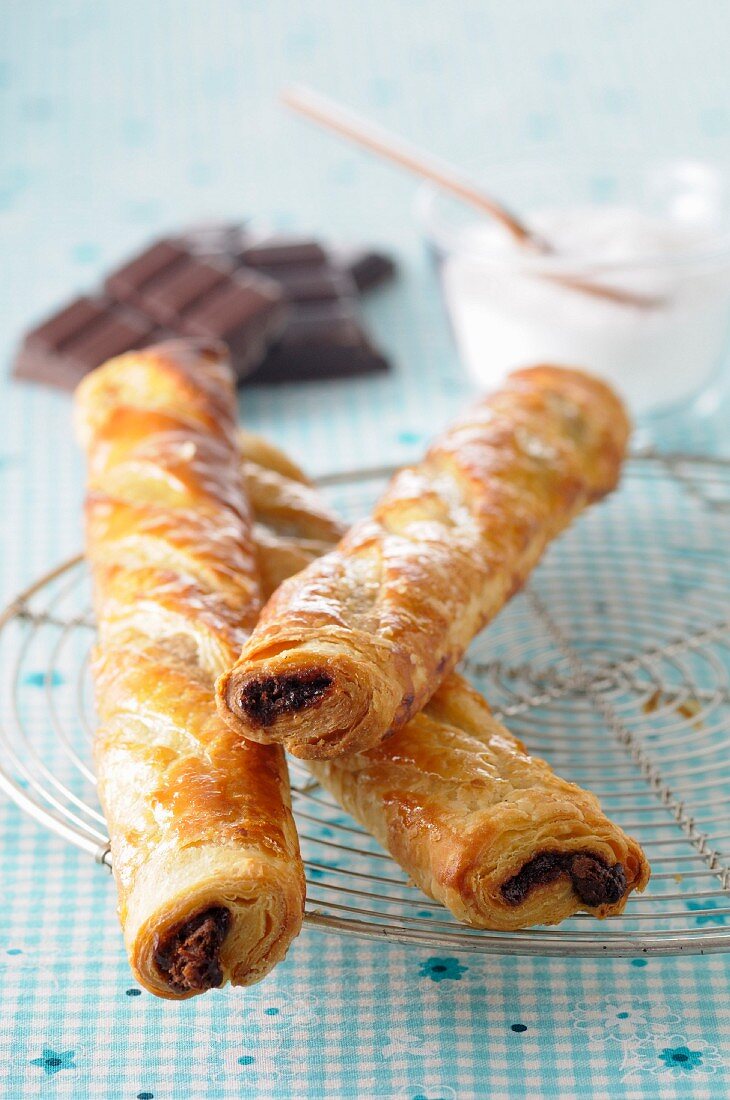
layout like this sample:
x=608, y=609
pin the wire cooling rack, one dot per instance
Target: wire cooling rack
x=614, y=664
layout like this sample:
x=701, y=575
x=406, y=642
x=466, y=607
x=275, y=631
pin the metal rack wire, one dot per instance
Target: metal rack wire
x=614, y=664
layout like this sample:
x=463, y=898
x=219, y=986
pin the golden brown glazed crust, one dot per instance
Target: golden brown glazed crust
x=482, y=827
x=493, y=834
x=205, y=852
x=452, y=795
x=346, y=652
x=262, y=454
x=293, y=527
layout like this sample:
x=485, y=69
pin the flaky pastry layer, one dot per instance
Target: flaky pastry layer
x=347, y=651
x=478, y=824
x=205, y=852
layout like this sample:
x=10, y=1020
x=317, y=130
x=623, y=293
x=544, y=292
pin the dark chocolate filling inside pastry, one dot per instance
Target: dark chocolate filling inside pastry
x=593, y=880
x=189, y=955
x=265, y=698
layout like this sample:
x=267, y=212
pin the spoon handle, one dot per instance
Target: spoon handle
x=378, y=140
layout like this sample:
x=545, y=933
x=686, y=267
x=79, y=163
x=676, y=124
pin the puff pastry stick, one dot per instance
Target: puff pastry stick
x=480, y=825
x=293, y=526
x=205, y=852
x=476, y=822
x=346, y=652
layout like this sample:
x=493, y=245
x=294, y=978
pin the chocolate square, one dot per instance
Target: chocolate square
x=62, y=349
x=220, y=280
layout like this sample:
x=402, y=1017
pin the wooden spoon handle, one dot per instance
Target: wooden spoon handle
x=378, y=140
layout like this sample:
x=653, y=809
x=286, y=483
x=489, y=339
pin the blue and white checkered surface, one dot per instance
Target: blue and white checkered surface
x=119, y=120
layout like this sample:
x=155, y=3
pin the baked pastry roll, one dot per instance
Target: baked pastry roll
x=350, y=649
x=205, y=852
x=478, y=824
x=292, y=525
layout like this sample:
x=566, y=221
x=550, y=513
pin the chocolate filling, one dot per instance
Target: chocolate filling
x=593, y=880
x=189, y=956
x=265, y=698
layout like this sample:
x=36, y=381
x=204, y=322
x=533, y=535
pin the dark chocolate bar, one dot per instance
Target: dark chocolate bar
x=61, y=350
x=286, y=307
x=368, y=269
x=273, y=254
x=280, y=256
x=237, y=312
x=321, y=340
x=192, y=296
x=302, y=268
x=323, y=335
x=164, y=292
x=126, y=283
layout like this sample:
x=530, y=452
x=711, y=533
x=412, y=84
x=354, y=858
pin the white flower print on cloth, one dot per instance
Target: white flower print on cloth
x=435, y=1090
x=403, y=1042
x=23, y=968
x=623, y=1020
x=674, y=1057
x=276, y=1011
x=263, y=1049
x=256, y=1063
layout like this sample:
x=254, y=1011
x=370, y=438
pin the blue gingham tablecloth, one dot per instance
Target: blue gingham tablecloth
x=119, y=120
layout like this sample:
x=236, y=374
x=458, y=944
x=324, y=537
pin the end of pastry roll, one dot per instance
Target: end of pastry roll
x=563, y=856
x=315, y=696
x=485, y=829
x=225, y=918
x=204, y=846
